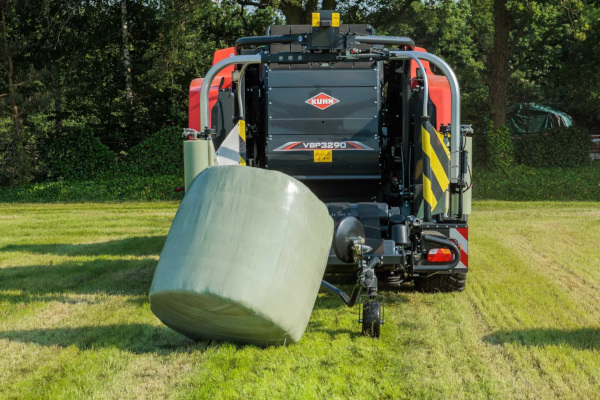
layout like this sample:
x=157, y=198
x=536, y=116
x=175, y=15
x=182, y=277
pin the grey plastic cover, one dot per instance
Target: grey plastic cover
x=244, y=258
x=198, y=154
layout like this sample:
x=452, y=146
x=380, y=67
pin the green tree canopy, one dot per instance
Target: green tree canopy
x=122, y=68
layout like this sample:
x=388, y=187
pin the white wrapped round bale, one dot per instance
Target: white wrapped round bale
x=244, y=258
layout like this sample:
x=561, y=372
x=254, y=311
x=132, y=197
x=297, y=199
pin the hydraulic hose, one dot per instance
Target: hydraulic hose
x=425, y=85
x=240, y=89
x=386, y=40
x=264, y=40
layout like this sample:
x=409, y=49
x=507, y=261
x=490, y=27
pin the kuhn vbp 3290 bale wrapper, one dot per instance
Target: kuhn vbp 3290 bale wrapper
x=373, y=179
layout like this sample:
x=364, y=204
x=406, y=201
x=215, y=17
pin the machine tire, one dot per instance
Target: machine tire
x=388, y=279
x=442, y=283
x=371, y=318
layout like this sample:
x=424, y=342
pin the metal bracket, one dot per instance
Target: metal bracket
x=191, y=134
x=359, y=247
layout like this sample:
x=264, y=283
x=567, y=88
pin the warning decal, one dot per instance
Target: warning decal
x=461, y=237
x=323, y=156
x=437, y=157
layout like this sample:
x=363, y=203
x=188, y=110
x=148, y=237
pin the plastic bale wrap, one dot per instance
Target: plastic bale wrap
x=244, y=258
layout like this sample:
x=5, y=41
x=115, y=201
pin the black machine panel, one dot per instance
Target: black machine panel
x=322, y=110
x=347, y=78
x=325, y=156
x=323, y=124
x=222, y=115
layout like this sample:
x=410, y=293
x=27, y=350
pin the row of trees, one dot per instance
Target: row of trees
x=122, y=67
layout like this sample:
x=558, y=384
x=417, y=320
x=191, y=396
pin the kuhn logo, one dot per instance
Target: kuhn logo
x=322, y=101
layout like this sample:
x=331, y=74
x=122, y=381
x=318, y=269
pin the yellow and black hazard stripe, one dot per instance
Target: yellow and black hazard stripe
x=242, y=133
x=436, y=165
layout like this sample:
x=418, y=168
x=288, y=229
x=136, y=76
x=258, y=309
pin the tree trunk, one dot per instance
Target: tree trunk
x=499, y=145
x=311, y=6
x=126, y=57
x=498, y=64
x=295, y=14
x=11, y=86
x=329, y=4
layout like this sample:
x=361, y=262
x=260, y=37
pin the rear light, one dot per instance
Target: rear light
x=439, y=256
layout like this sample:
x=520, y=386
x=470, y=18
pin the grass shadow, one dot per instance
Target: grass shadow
x=111, y=276
x=331, y=301
x=318, y=327
x=87, y=277
x=134, y=338
x=26, y=298
x=584, y=338
x=134, y=246
x=335, y=333
x=328, y=300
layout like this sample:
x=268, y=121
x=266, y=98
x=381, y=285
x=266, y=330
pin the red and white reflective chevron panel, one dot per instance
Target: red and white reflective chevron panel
x=461, y=235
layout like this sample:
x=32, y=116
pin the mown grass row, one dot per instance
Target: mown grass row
x=75, y=320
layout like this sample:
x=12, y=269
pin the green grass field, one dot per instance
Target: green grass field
x=75, y=320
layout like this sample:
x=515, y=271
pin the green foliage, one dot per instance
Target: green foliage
x=523, y=183
x=500, y=153
x=160, y=154
x=479, y=150
x=121, y=188
x=68, y=69
x=561, y=147
x=15, y=161
x=67, y=61
x=581, y=96
x=78, y=155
